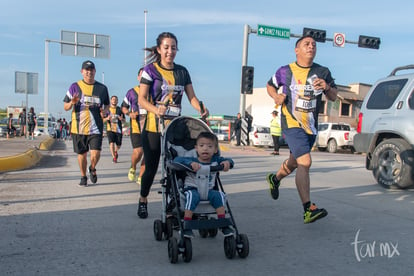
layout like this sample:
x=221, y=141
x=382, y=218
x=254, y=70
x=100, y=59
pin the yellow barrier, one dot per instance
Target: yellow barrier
x=47, y=144
x=20, y=161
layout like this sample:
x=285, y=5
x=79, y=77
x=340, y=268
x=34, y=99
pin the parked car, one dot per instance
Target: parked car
x=334, y=136
x=385, y=129
x=221, y=134
x=260, y=136
x=40, y=128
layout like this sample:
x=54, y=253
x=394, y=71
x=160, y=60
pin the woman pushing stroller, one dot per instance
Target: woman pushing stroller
x=162, y=86
x=200, y=183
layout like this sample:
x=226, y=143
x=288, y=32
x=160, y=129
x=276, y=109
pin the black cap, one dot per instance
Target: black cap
x=88, y=65
x=274, y=112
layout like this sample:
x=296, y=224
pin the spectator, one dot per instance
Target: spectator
x=11, y=129
x=31, y=122
x=275, y=131
x=64, y=129
x=237, y=129
x=22, y=121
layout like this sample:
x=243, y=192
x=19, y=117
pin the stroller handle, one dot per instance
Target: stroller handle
x=180, y=167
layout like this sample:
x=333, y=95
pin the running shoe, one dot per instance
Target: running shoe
x=227, y=231
x=274, y=185
x=92, y=175
x=139, y=181
x=116, y=156
x=114, y=160
x=131, y=174
x=83, y=182
x=313, y=213
x=142, y=210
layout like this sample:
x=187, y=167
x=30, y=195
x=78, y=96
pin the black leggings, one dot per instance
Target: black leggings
x=151, y=144
x=276, y=145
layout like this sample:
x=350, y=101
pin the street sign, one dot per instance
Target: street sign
x=85, y=44
x=339, y=40
x=275, y=32
x=26, y=83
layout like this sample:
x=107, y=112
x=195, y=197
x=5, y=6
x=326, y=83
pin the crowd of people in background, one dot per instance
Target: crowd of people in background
x=62, y=129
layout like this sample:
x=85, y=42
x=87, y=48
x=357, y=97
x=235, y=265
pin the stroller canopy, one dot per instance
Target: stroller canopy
x=183, y=131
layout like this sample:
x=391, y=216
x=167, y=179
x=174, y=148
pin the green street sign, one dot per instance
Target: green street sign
x=275, y=32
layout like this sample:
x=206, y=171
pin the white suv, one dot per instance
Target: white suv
x=386, y=129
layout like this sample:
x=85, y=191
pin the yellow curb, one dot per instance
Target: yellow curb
x=47, y=143
x=20, y=161
x=224, y=148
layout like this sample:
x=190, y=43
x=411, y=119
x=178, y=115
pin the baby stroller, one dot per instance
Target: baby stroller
x=179, y=139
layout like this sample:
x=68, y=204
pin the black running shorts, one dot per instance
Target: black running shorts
x=84, y=143
x=136, y=140
x=114, y=137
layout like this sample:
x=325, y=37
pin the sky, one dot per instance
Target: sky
x=210, y=41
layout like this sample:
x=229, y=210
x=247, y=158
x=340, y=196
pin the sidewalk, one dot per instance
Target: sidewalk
x=19, y=153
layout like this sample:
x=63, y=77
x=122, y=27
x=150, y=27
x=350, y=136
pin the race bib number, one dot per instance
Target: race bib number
x=142, y=111
x=172, y=111
x=90, y=100
x=114, y=119
x=305, y=105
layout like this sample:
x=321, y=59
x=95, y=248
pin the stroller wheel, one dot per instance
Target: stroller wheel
x=188, y=250
x=242, y=246
x=212, y=232
x=230, y=247
x=173, y=250
x=203, y=233
x=158, y=229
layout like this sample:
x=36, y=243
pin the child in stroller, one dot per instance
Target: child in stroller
x=199, y=184
x=179, y=139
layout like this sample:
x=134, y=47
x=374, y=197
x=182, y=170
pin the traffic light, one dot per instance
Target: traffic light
x=317, y=35
x=369, y=42
x=247, y=80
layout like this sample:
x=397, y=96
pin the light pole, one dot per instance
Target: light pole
x=145, y=35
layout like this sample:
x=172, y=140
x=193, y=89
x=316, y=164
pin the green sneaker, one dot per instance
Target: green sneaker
x=139, y=181
x=131, y=174
x=313, y=213
x=274, y=185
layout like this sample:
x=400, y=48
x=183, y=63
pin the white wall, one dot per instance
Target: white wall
x=260, y=105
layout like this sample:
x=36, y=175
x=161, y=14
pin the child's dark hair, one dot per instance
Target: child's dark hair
x=208, y=135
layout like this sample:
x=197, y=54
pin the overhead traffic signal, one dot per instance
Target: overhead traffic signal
x=247, y=80
x=317, y=35
x=369, y=42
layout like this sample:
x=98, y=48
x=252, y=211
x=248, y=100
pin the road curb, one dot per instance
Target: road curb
x=27, y=159
x=47, y=144
x=20, y=161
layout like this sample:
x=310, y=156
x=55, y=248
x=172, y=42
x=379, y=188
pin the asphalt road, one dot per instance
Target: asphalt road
x=50, y=226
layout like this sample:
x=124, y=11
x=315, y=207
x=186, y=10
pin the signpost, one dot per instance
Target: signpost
x=274, y=32
x=339, y=40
